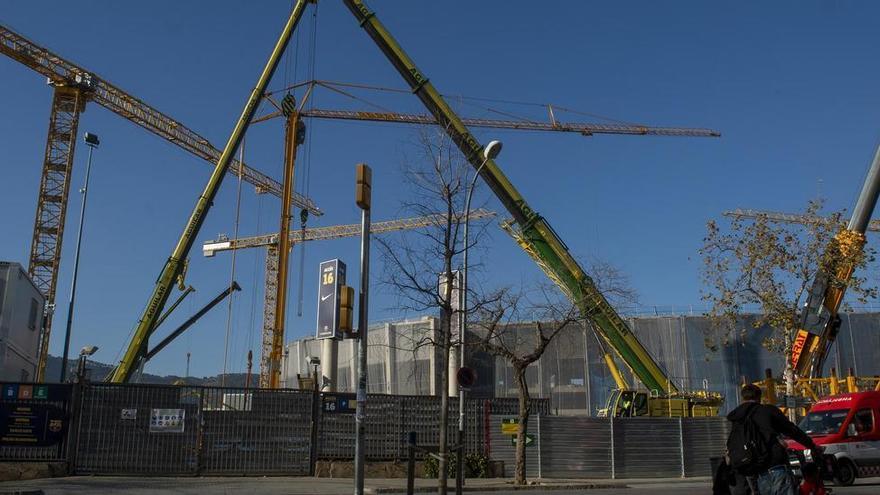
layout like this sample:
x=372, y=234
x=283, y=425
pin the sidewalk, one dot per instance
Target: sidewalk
x=295, y=485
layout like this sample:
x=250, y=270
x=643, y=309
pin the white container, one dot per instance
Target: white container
x=21, y=322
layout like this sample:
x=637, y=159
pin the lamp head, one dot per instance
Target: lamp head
x=491, y=150
x=91, y=139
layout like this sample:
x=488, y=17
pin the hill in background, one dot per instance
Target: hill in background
x=98, y=371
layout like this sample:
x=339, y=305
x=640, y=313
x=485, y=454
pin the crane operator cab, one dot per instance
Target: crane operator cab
x=625, y=404
x=641, y=403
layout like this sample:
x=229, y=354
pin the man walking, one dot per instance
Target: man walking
x=771, y=466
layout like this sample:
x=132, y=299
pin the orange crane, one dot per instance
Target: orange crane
x=270, y=357
x=74, y=86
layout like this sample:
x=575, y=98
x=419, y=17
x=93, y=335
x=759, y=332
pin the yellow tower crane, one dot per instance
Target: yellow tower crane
x=74, y=86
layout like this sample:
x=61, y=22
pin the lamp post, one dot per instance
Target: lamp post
x=83, y=358
x=92, y=142
x=489, y=152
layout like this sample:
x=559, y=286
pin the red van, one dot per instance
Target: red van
x=846, y=426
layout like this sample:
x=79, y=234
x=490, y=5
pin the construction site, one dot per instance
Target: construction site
x=379, y=247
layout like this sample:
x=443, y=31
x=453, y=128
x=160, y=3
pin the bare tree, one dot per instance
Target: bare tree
x=518, y=329
x=519, y=326
x=416, y=263
x=770, y=267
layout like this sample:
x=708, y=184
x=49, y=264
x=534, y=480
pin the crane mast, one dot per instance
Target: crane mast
x=534, y=232
x=175, y=263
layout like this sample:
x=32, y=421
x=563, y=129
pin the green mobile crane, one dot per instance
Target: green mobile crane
x=534, y=233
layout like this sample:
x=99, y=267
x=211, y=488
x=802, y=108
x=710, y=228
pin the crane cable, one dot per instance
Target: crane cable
x=307, y=169
x=231, y=298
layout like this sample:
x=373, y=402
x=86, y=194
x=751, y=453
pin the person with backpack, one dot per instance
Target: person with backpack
x=754, y=447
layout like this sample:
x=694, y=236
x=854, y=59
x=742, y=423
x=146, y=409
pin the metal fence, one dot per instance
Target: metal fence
x=391, y=417
x=187, y=430
x=191, y=430
x=171, y=430
x=585, y=447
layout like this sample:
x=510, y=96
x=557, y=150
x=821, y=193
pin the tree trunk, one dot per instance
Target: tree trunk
x=444, y=403
x=525, y=409
x=788, y=372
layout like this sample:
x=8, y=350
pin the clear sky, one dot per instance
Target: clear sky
x=791, y=85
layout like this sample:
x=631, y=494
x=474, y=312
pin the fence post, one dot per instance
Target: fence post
x=313, y=433
x=538, y=439
x=681, y=443
x=487, y=427
x=613, y=467
x=74, y=426
x=410, y=462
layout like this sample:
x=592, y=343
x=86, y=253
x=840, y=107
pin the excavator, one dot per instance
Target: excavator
x=533, y=232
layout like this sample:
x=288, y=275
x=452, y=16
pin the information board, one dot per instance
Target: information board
x=167, y=420
x=31, y=424
x=332, y=277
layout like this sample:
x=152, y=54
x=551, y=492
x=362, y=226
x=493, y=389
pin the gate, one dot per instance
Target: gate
x=186, y=430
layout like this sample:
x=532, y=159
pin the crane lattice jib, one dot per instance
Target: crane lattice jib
x=536, y=231
x=796, y=218
x=585, y=128
x=64, y=72
x=335, y=232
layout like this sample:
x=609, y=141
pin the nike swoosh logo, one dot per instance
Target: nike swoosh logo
x=325, y=297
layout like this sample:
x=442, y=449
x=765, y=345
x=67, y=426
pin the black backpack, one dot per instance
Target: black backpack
x=746, y=447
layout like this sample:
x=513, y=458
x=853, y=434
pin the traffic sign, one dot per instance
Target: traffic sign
x=466, y=377
x=509, y=426
x=530, y=440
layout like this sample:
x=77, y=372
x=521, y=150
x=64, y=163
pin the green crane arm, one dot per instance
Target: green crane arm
x=175, y=264
x=535, y=232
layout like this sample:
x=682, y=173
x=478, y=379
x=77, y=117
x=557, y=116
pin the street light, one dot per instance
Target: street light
x=92, y=142
x=83, y=358
x=489, y=152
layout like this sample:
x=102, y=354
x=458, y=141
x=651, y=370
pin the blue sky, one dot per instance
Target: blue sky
x=791, y=85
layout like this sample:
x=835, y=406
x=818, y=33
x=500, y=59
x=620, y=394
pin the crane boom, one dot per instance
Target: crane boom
x=778, y=216
x=62, y=72
x=174, y=266
x=819, y=320
x=534, y=231
x=584, y=128
x=333, y=232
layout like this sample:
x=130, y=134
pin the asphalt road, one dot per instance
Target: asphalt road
x=311, y=486
x=680, y=488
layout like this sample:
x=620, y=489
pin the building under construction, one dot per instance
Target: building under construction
x=572, y=373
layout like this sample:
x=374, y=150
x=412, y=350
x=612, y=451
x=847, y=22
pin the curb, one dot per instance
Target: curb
x=507, y=488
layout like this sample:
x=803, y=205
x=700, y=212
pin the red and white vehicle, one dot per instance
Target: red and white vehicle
x=846, y=425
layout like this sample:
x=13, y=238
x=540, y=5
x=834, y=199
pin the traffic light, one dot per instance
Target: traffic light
x=346, y=308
